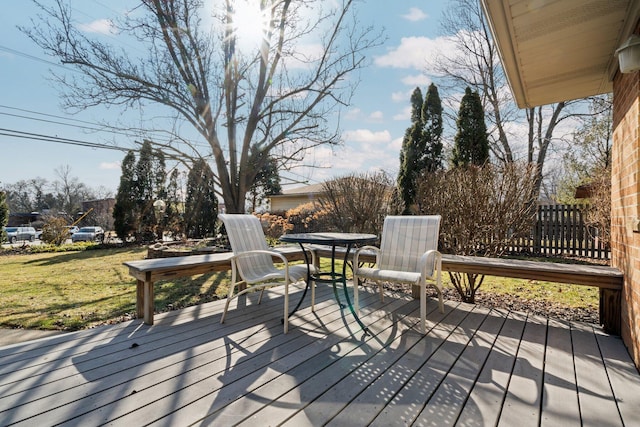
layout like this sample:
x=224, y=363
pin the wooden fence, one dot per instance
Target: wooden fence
x=557, y=230
x=561, y=229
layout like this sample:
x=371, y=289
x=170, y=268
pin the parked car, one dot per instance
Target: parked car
x=88, y=234
x=20, y=233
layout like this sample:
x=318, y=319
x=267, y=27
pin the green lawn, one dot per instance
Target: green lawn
x=77, y=290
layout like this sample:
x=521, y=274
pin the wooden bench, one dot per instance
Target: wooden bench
x=149, y=271
x=608, y=279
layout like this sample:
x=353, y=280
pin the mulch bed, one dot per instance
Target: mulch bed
x=518, y=304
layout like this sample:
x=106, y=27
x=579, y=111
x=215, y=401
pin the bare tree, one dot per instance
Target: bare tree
x=475, y=62
x=590, y=152
x=248, y=102
x=71, y=192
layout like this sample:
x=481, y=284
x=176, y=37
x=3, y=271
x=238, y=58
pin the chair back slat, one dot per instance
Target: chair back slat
x=246, y=234
x=405, y=239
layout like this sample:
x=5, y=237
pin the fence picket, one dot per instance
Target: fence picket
x=560, y=229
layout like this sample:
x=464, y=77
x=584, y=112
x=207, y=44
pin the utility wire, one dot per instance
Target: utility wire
x=34, y=58
x=68, y=141
x=95, y=127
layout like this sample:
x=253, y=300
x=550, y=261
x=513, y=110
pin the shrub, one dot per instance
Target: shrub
x=358, y=202
x=598, y=210
x=308, y=218
x=274, y=226
x=484, y=209
x=55, y=231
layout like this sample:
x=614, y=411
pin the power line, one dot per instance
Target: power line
x=67, y=141
x=34, y=58
x=96, y=127
x=48, y=115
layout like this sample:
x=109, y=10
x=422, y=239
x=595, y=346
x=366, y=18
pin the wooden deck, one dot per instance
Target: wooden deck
x=475, y=366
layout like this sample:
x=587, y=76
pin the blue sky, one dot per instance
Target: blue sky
x=372, y=127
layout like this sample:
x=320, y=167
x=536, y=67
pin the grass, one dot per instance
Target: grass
x=575, y=296
x=77, y=290
x=80, y=289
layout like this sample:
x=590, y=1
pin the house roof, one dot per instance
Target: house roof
x=558, y=50
x=304, y=190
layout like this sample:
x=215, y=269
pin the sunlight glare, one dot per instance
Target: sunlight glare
x=250, y=23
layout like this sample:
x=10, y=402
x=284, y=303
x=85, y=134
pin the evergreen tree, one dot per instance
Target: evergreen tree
x=145, y=188
x=267, y=183
x=160, y=190
x=409, y=155
x=173, y=220
x=125, y=219
x=4, y=209
x=431, y=156
x=201, y=205
x=471, y=144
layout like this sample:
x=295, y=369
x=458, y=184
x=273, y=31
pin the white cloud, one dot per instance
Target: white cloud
x=376, y=116
x=100, y=26
x=404, y=115
x=414, y=52
x=109, y=165
x=396, y=144
x=415, y=15
x=416, y=80
x=353, y=156
x=353, y=114
x=366, y=135
x=401, y=96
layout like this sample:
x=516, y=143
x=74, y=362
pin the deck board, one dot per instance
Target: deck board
x=560, y=395
x=484, y=402
x=475, y=366
x=522, y=403
x=597, y=403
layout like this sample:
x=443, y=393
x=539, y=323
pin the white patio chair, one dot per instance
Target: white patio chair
x=408, y=253
x=252, y=262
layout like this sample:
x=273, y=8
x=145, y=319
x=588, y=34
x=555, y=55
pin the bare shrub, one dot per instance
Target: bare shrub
x=55, y=231
x=484, y=210
x=358, y=202
x=598, y=210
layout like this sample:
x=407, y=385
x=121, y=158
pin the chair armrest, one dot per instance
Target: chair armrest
x=262, y=251
x=430, y=258
x=356, y=256
x=314, y=255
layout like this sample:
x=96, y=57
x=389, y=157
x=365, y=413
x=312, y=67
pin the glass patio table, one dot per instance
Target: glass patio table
x=349, y=240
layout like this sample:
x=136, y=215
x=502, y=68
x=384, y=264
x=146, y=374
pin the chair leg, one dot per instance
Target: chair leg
x=356, y=298
x=439, y=288
x=226, y=305
x=423, y=309
x=286, y=308
x=260, y=298
x=381, y=291
x=313, y=295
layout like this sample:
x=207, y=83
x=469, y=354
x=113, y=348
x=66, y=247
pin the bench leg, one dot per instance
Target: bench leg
x=144, y=300
x=148, y=302
x=140, y=299
x=611, y=310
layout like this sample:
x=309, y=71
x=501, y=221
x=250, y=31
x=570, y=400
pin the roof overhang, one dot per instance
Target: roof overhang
x=558, y=50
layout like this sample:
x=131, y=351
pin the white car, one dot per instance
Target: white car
x=88, y=234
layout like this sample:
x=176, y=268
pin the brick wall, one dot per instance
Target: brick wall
x=625, y=203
